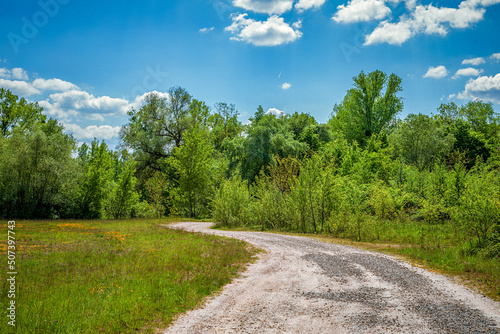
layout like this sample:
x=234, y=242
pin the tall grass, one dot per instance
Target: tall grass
x=118, y=276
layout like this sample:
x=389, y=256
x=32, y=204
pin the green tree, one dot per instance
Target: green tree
x=225, y=124
x=369, y=107
x=14, y=112
x=420, y=139
x=192, y=162
x=37, y=173
x=96, y=185
x=123, y=197
x=157, y=127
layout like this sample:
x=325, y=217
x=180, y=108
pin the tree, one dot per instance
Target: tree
x=157, y=127
x=268, y=136
x=123, y=196
x=192, y=162
x=225, y=123
x=95, y=189
x=419, y=140
x=37, y=173
x=17, y=113
x=367, y=108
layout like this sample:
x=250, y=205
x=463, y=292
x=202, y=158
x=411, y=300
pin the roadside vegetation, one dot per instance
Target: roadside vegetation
x=113, y=276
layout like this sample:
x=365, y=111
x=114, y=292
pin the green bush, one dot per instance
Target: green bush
x=231, y=205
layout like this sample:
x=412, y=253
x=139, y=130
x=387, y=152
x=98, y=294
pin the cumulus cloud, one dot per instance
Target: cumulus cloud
x=361, y=11
x=206, y=30
x=467, y=72
x=21, y=88
x=285, y=86
x=4, y=73
x=423, y=19
x=391, y=33
x=272, y=32
x=485, y=88
x=92, y=131
x=495, y=56
x=436, y=72
x=54, y=84
x=16, y=74
x=265, y=6
x=83, y=101
x=19, y=74
x=473, y=61
x=274, y=111
x=303, y=5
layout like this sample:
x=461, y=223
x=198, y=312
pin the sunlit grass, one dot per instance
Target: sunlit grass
x=112, y=276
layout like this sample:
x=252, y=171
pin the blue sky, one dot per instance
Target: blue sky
x=88, y=62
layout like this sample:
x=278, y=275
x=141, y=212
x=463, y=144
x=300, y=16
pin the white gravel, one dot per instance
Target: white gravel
x=300, y=285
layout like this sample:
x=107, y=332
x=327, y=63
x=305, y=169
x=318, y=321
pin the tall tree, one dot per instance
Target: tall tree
x=37, y=173
x=14, y=112
x=369, y=107
x=193, y=161
x=225, y=123
x=96, y=186
x=420, y=139
x=157, y=127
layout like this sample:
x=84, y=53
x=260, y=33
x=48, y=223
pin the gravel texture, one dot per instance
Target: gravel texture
x=300, y=285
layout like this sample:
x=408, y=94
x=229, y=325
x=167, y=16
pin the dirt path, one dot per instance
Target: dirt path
x=305, y=286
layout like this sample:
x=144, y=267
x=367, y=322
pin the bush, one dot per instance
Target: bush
x=231, y=205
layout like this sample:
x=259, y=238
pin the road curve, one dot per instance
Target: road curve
x=300, y=285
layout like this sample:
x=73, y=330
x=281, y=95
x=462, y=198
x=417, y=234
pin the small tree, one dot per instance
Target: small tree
x=123, y=197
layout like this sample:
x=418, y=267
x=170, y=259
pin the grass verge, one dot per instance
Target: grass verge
x=119, y=276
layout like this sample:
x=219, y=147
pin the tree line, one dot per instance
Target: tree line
x=178, y=156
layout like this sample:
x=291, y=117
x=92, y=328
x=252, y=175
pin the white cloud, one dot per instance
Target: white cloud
x=361, y=11
x=92, y=131
x=285, y=86
x=473, y=61
x=493, y=56
x=16, y=73
x=272, y=32
x=21, y=88
x=274, y=111
x=265, y=6
x=140, y=99
x=54, y=84
x=303, y=5
x=436, y=72
x=467, y=72
x=422, y=19
x=81, y=100
x=19, y=74
x=391, y=33
x=206, y=30
x=484, y=88
x=4, y=73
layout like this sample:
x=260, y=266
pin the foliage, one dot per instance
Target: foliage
x=232, y=204
x=37, y=172
x=420, y=140
x=192, y=161
x=369, y=107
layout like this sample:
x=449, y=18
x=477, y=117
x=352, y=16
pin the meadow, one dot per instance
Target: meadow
x=116, y=276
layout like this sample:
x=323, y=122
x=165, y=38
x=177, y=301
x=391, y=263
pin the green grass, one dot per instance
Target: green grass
x=119, y=276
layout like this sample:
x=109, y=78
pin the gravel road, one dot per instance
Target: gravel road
x=300, y=285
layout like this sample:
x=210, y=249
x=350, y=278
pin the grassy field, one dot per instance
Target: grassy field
x=119, y=276
x=438, y=247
